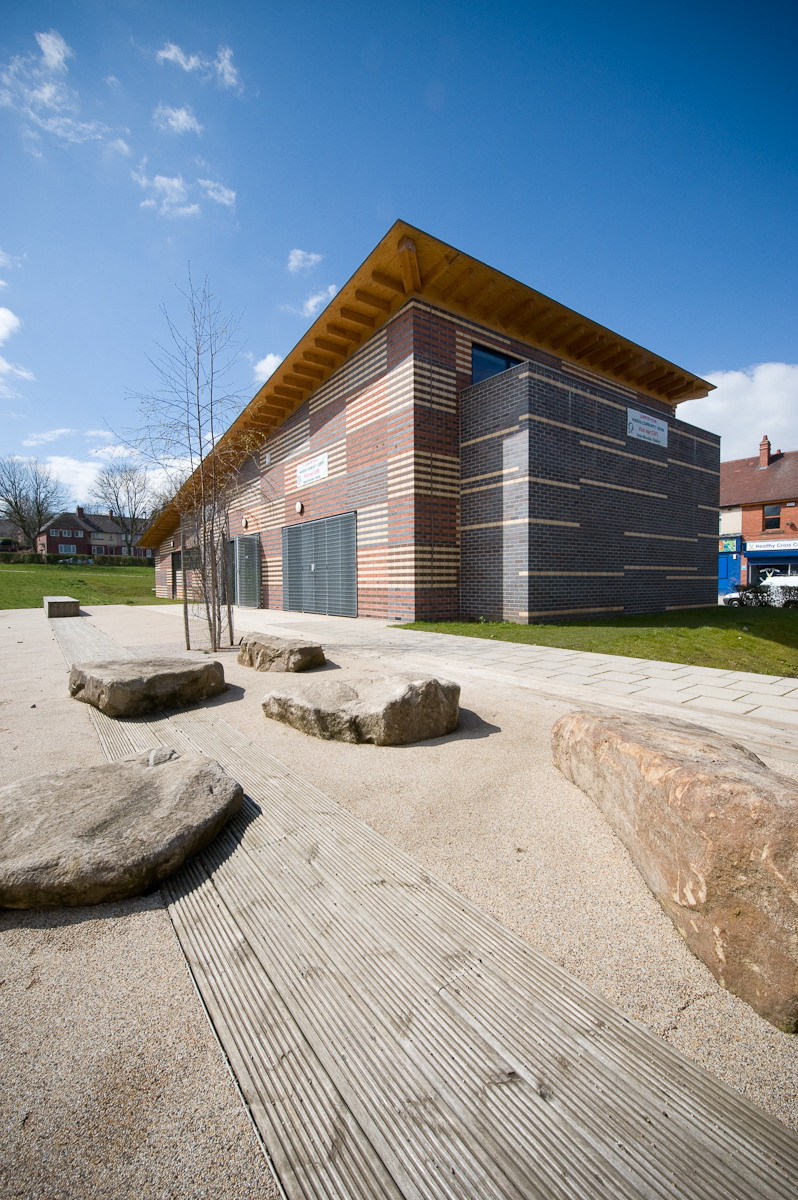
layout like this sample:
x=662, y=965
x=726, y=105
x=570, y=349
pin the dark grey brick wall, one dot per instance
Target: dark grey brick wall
x=563, y=514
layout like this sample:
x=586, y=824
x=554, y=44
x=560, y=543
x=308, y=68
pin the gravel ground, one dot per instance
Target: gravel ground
x=113, y=1083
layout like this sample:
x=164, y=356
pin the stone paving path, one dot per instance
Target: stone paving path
x=765, y=706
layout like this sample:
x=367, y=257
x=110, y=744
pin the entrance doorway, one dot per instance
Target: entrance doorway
x=176, y=568
x=244, y=570
x=320, y=566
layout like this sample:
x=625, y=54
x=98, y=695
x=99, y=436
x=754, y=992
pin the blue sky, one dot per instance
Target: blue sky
x=635, y=162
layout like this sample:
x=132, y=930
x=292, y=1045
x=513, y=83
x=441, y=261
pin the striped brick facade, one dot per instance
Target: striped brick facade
x=548, y=522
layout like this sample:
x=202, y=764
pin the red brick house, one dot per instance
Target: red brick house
x=445, y=439
x=759, y=507
x=85, y=534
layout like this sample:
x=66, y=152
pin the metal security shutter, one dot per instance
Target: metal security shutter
x=247, y=562
x=320, y=566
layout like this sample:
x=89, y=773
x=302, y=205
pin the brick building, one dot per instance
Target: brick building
x=446, y=440
x=758, y=517
x=85, y=533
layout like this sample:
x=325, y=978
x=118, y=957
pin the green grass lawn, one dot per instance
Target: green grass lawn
x=764, y=640
x=24, y=586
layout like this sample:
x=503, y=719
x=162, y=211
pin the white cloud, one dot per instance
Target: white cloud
x=314, y=302
x=78, y=476
x=54, y=50
x=761, y=399
x=9, y=260
x=168, y=194
x=176, y=120
x=218, y=192
x=265, y=367
x=47, y=435
x=120, y=146
x=111, y=80
x=98, y=433
x=9, y=323
x=33, y=88
x=3, y=284
x=173, y=53
x=226, y=73
x=302, y=260
x=220, y=68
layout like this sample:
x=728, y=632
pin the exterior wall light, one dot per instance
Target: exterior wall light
x=245, y=523
x=300, y=508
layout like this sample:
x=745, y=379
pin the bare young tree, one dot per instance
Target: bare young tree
x=29, y=495
x=182, y=422
x=124, y=489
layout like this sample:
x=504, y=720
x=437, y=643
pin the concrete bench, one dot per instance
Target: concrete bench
x=61, y=606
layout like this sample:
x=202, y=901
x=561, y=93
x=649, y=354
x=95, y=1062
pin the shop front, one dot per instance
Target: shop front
x=729, y=563
x=774, y=558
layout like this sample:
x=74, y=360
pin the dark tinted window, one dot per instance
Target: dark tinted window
x=485, y=363
x=772, y=516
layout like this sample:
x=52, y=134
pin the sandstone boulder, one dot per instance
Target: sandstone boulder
x=387, y=710
x=714, y=833
x=91, y=834
x=138, y=685
x=266, y=653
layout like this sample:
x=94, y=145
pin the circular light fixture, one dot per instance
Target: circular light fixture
x=299, y=507
x=245, y=523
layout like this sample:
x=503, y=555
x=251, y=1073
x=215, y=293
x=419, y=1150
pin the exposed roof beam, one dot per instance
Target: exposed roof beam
x=498, y=303
x=554, y=322
x=302, y=369
x=459, y=281
x=509, y=319
x=609, y=352
x=289, y=392
x=333, y=347
x=272, y=410
x=441, y=266
x=676, y=386
x=387, y=281
x=622, y=358
x=567, y=336
x=649, y=376
x=340, y=331
x=372, y=300
x=480, y=292
x=359, y=318
x=408, y=261
x=540, y=314
x=583, y=345
x=634, y=363
x=654, y=384
x=324, y=360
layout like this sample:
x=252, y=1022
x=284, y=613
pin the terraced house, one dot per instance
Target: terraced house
x=445, y=440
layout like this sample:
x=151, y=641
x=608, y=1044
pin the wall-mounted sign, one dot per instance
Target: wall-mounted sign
x=647, y=429
x=312, y=470
x=778, y=546
x=727, y=545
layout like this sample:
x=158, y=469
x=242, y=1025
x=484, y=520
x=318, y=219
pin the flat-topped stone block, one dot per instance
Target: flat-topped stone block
x=61, y=606
x=712, y=830
x=386, y=710
x=266, y=653
x=139, y=685
x=93, y=834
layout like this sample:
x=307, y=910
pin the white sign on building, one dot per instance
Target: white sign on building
x=647, y=429
x=312, y=470
x=777, y=546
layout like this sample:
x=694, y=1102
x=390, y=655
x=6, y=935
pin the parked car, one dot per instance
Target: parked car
x=775, y=591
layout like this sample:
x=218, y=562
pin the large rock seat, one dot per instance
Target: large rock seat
x=386, y=710
x=714, y=833
x=266, y=653
x=92, y=834
x=139, y=685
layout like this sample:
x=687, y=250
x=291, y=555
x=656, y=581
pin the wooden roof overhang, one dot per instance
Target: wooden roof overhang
x=407, y=263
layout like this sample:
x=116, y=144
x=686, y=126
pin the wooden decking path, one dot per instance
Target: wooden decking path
x=392, y=1040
